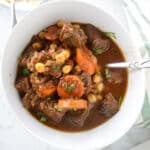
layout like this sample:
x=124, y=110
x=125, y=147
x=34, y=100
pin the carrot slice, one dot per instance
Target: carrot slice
x=70, y=86
x=85, y=60
x=45, y=92
x=72, y=104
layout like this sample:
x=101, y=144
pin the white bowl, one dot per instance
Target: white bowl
x=71, y=10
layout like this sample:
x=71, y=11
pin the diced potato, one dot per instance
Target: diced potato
x=60, y=23
x=92, y=98
x=40, y=67
x=97, y=78
x=37, y=45
x=66, y=69
x=77, y=68
x=100, y=87
x=53, y=46
x=67, y=53
x=76, y=25
x=62, y=56
x=41, y=35
x=99, y=97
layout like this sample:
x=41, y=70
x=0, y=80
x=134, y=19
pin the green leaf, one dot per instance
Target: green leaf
x=40, y=114
x=107, y=73
x=110, y=34
x=43, y=119
x=120, y=100
x=25, y=72
x=55, y=67
x=69, y=87
x=97, y=50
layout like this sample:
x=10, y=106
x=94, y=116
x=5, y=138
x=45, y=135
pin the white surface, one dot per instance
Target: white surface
x=23, y=4
x=14, y=136
x=143, y=146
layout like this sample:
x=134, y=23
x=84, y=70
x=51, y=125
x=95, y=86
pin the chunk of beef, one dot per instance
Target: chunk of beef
x=53, y=69
x=49, y=110
x=52, y=33
x=37, y=79
x=30, y=100
x=37, y=57
x=41, y=57
x=52, y=53
x=55, y=81
x=72, y=36
x=95, y=38
x=92, y=32
x=100, y=43
x=23, y=60
x=115, y=78
x=76, y=112
x=79, y=119
x=22, y=84
x=86, y=78
x=87, y=81
x=110, y=106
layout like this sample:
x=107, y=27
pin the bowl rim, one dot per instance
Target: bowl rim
x=5, y=93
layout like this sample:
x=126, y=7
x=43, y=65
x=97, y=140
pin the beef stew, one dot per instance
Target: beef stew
x=62, y=77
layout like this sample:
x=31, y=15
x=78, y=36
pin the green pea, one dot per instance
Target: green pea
x=25, y=72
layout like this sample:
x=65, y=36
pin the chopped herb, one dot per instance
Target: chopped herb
x=40, y=114
x=57, y=108
x=55, y=67
x=120, y=100
x=25, y=72
x=49, y=99
x=111, y=34
x=69, y=87
x=43, y=119
x=98, y=50
x=107, y=73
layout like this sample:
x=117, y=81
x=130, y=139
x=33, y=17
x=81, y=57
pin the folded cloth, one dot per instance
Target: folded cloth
x=138, y=17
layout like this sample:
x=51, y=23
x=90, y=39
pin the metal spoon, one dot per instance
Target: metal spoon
x=13, y=14
x=135, y=65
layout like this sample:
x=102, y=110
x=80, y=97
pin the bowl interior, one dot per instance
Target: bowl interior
x=82, y=12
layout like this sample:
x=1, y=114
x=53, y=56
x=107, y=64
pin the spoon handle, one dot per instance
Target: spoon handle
x=13, y=14
x=131, y=65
